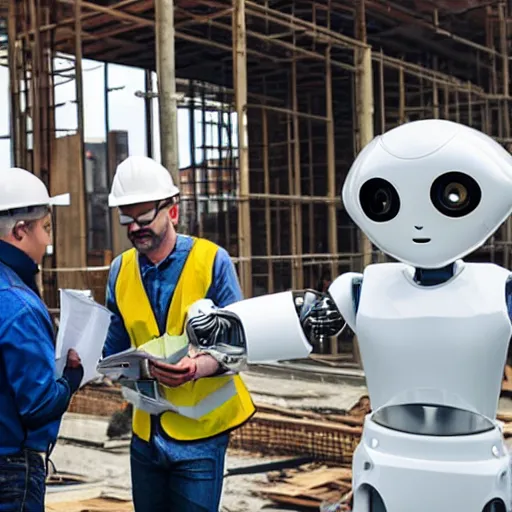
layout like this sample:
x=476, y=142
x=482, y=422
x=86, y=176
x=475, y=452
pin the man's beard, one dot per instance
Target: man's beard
x=146, y=240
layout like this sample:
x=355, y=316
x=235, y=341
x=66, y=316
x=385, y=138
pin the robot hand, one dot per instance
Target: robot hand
x=218, y=333
x=318, y=315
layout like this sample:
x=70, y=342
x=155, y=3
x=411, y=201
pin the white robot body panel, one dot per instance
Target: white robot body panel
x=272, y=328
x=444, y=345
x=422, y=473
x=341, y=291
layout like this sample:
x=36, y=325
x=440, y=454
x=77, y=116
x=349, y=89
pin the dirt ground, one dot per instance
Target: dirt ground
x=114, y=471
x=240, y=492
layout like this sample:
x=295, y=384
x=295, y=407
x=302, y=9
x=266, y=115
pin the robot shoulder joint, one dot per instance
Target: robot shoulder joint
x=344, y=291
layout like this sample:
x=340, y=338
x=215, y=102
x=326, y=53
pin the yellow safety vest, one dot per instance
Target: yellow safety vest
x=212, y=405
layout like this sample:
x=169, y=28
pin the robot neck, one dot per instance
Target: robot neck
x=434, y=276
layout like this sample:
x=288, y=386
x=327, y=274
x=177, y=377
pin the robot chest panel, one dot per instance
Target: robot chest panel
x=434, y=338
x=391, y=295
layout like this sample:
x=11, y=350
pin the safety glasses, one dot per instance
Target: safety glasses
x=145, y=219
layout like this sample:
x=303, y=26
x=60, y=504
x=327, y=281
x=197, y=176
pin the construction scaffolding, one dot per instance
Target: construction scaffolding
x=293, y=89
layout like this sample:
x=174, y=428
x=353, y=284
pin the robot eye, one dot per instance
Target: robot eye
x=455, y=194
x=379, y=200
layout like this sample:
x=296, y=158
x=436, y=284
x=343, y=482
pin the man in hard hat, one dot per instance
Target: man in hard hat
x=177, y=460
x=32, y=399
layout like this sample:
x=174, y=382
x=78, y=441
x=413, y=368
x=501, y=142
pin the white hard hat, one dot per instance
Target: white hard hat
x=21, y=189
x=140, y=179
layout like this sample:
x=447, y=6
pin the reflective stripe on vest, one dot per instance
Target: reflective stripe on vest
x=196, y=412
x=207, y=406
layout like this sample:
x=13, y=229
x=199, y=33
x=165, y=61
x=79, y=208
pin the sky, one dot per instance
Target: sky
x=126, y=111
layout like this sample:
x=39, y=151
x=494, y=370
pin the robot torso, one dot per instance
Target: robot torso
x=439, y=345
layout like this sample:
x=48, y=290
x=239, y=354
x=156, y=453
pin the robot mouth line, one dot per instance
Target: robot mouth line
x=421, y=240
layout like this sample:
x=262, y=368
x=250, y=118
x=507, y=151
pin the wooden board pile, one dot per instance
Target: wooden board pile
x=311, y=486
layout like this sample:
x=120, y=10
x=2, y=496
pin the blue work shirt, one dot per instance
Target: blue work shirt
x=160, y=282
x=32, y=401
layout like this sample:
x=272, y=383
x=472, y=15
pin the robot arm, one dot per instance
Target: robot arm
x=276, y=327
x=257, y=330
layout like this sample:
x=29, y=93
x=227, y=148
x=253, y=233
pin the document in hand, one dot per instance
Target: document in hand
x=83, y=326
x=126, y=364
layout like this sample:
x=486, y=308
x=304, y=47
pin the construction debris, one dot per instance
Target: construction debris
x=311, y=486
x=506, y=383
x=66, y=492
x=91, y=432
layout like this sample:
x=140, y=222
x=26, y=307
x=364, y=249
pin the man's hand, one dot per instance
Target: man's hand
x=73, y=360
x=73, y=371
x=173, y=375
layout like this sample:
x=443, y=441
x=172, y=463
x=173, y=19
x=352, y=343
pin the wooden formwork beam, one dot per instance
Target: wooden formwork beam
x=364, y=104
x=240, y=85
x=298, y=270
x=115, y=13
x=266, y=187
x=166, y=75
x=332, y=237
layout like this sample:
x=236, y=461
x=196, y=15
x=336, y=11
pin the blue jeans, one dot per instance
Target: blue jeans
x=22, y=482
x=173, y=476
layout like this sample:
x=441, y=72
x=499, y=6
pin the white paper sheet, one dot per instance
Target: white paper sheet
x=83, y=326
x=127, y=363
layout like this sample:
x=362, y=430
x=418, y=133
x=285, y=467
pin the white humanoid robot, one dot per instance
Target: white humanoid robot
x=433, y=331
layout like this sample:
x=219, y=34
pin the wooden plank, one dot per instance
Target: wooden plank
x=357, y=430
x=332, y=216
x=300, y=502
x=240, y=86
x=91, y=505
x=297, y=413
x=326, y=494
x=285, y=489
x=70, y=238
x=320, y=477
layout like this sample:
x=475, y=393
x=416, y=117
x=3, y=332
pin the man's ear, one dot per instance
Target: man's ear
x=20, y=226
x=174, y=213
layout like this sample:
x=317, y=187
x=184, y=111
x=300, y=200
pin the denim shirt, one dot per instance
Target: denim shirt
x=160, y=283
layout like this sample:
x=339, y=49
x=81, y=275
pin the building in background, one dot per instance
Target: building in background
x=99, y=237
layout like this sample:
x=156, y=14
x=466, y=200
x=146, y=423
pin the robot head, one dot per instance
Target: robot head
x=429, y=192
